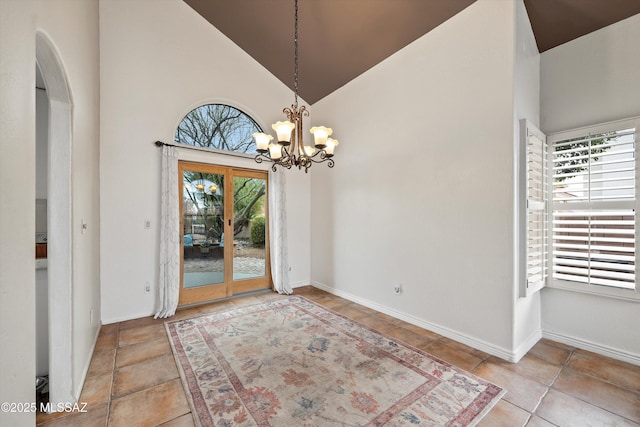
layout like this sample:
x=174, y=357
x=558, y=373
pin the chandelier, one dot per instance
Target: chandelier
x=290, y=150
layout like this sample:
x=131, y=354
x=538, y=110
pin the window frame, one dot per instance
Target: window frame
x=607, y=291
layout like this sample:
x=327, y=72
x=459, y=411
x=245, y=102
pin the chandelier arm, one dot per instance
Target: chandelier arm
x=285, y=165
x=316, y=154
x=323, y=159
x=320, y=153
x=286, y=156
x=324, y=155
x=288, y=112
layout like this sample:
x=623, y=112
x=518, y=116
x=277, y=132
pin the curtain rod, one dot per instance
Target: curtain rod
x=205, y=149
x=160, y=144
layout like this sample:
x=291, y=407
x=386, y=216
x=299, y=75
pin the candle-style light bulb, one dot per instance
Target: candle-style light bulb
x=275, y=151
x=283, y=129
x=331, y=145
x=320, y=135
x=262, y=141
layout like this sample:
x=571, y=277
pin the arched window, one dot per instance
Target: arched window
x=218, y=126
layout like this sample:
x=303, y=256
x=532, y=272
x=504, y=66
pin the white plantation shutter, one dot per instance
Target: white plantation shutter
x=594, y=205
x=534, y=217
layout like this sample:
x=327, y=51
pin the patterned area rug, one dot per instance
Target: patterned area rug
x=291, y=362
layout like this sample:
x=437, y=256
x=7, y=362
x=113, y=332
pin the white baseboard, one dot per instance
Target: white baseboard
x=511, y=356
x=592, y=347
x=527, y=345
x=299, y=283
x=125, y=318
x=446, y=332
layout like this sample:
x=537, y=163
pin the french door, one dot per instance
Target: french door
x=223, y=223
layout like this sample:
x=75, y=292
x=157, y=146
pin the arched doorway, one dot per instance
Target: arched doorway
x=59, y=221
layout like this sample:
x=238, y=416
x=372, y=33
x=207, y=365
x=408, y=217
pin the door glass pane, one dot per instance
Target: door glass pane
x=249, y=254
x=203, y=227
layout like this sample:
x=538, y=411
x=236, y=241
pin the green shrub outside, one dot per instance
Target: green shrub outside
x=258, y=231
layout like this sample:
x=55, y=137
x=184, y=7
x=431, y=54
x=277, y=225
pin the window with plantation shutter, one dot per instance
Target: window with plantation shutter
x=534, y=187
x=593, y=206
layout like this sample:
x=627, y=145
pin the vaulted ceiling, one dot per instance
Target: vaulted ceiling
x=339, y=40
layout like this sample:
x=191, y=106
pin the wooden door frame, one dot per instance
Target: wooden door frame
x=229, y=287
x=247, y=285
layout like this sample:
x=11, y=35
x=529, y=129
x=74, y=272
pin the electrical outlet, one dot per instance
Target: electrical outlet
x=397, y=289
x=147, y=287
x=147, y=224
x=91, y=316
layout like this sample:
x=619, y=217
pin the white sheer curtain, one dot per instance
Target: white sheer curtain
x=169, y=277
x=278, y=232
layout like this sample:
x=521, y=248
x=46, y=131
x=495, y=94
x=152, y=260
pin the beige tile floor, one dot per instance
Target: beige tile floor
x=133, y=380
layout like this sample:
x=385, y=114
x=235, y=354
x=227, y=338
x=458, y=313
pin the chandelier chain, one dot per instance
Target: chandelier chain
x=295, y=54
x=290, y=150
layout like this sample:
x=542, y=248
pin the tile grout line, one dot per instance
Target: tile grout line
x=566, y=366
x=607, y=381
x=550, y=386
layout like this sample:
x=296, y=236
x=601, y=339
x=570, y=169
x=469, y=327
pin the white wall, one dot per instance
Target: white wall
x=422, y=193
x=42, y=157
x=17, y=207
x=527, y=326
x=42, y=128
x=159, y=60
x=591, y=80
x=72, y=26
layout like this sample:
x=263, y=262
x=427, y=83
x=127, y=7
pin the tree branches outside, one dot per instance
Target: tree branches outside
x=204, y=202
x=577, y=155
x=218, y=126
